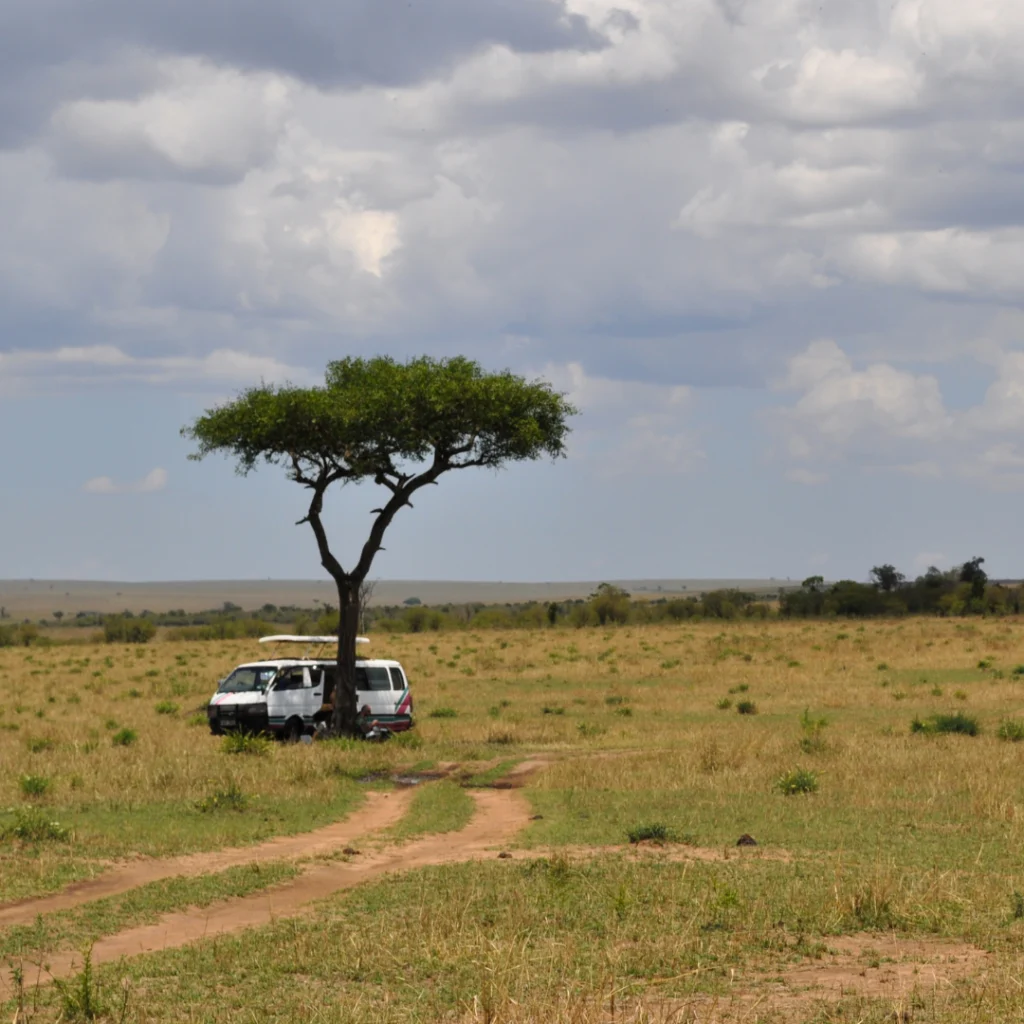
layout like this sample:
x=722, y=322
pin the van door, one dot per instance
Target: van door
x=373, y=689
x=290, y=698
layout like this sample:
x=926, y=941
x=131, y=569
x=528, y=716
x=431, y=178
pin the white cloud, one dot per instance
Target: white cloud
x=630, y=427
x=884, y=418
x=155, y=480
x=204, y=121
x=106, y=363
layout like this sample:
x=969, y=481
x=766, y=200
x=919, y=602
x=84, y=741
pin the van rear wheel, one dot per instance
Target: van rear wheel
x=293, y=730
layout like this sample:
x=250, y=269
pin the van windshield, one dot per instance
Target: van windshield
x=246, y=680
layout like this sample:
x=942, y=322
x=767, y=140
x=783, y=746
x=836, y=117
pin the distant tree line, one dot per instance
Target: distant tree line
x=962, y=590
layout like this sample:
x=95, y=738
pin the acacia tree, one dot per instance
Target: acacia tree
x=400, y=426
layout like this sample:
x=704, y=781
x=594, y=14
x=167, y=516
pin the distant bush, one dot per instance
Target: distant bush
x=1011, y=730
x=654, y=832
x=746, y=707
x=813, y=740
x=965, y=725
x=552, y=709
x=124, y=737
x=31, y=825
x=34, y=785
x=123, y=629
x=230, y=799
x=245, y=743
x=167, y=707
x=798, y=780
x=443, y=713
x=724, y=704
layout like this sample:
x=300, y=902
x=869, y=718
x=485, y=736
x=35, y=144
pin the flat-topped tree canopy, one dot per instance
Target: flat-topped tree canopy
x=378, y=418
x=400, y=425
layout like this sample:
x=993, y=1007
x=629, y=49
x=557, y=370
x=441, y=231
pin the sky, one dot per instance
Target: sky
x=772, y=249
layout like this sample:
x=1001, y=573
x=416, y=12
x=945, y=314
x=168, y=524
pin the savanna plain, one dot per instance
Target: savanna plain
x=556, y=840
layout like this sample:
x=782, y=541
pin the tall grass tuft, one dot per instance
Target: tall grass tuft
x=958, y=723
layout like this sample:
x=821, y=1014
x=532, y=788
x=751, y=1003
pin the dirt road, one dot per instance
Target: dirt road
x=379, y=811
x=499, y=815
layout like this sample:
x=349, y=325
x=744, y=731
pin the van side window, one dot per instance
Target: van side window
x=397, y=682
x=372, y=677
x=291, y=679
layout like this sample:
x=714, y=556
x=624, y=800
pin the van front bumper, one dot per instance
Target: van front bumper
x=237, y=717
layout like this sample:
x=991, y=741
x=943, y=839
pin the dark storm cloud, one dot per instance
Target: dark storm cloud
x=351, y=42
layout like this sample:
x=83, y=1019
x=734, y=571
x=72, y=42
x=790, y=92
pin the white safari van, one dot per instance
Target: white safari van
x=289, y=696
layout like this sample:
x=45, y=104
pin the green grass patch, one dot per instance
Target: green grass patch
x=957, y=723
x=522, y=937
x=436, y=807
x=73, y=929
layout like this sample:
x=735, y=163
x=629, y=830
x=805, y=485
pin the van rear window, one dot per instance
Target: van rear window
x=372, y=677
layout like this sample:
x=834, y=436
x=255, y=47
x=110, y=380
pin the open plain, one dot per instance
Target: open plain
x=480, y=868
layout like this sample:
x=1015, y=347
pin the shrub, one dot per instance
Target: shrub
x=625, y=712
x=742, y=688
x=614, y=699
x=813, y=739
x=443, y=713
x=245, y=743
x=654, y=832
x=34, y=785
x=590, y=729
x=798, y=780
x=552, y=709
x=724, y=704
x=960, y=723
x=32, y=826
x=1011, y=730
x=746, y=707
x=125, y=630
x=230, y=799
x=124, y=737
x=38, y=744
x=167, y=707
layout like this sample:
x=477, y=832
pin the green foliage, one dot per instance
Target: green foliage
x=724, y=704
x=245, y=743
x=80, y=997
x=124, y=737
x=33, y=785
x=126, y=629
x=797, y=780
x=957, y=723
x=652, y=832
x=444, y=712
x=609, y=604
x=230, y=799
x=31, y=825
x=746, y=707
x=812, y=740
x=1011, y=730
x=887, y=578
x=167, y=707
x=371, y=414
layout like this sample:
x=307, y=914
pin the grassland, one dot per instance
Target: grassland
x=909, y=834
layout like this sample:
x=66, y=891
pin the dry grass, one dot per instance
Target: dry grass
x=907, y=832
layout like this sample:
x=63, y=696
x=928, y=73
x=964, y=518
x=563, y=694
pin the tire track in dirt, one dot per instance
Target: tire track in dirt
x=499, y=815
x=379, y=811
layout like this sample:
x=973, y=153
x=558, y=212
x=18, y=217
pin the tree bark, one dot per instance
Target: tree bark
x=345, y=713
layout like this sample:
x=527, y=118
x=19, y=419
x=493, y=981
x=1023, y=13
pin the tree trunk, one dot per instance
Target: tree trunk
x=344, y=716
